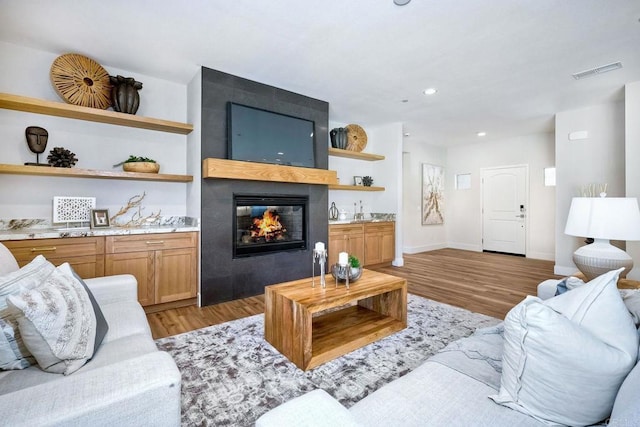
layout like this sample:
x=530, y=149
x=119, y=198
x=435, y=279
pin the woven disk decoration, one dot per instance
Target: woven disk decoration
x=356, y=138
x=81, y=81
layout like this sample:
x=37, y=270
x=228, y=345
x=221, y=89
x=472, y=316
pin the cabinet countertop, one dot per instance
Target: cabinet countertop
x=57, y=233
x=357, y=221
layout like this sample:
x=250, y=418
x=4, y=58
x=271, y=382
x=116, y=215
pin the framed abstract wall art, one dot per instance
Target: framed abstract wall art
x=432, y=194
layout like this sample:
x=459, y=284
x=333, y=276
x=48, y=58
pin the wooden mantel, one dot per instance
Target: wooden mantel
x=250, y=171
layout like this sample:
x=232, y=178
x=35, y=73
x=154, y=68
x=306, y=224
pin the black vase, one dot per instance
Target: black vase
x=339, y=138
x=124, y=94
x=333, y=134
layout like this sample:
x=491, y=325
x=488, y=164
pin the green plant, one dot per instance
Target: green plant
x=132, y=159
x=354, y=262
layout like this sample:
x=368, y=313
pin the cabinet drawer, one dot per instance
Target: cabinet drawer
x=63, y=248
x=149, y=242
x=379, y=227
x=341, y=229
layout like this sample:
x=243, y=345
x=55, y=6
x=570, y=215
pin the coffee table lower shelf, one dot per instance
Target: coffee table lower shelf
x=343, y=331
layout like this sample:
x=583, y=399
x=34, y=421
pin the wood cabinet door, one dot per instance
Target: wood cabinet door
x=379, y=242
x=388, y=250
x=372, y=248
x=176, y=274
x=345, y=238
x=141, y=265
x=337, y=244
x=355, y=246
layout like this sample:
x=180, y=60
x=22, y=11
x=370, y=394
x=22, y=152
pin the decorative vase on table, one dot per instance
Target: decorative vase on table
x=124, y=94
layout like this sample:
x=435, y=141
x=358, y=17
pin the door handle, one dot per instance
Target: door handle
x=520, y=216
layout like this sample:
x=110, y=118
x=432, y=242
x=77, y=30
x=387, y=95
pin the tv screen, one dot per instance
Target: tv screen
x=257, y=135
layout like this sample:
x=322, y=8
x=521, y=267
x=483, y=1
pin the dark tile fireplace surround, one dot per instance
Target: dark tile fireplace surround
x=224, y=276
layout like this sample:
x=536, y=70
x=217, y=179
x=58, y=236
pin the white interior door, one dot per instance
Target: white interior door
x=504, y=209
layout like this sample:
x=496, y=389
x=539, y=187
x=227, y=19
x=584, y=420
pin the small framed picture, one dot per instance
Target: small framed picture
x=99, y=218
x=357, y=180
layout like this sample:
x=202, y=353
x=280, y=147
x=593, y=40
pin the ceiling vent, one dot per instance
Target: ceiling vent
x=597, y=70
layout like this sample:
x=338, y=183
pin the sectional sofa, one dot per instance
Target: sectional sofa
x=568, y=360
x=127, y=382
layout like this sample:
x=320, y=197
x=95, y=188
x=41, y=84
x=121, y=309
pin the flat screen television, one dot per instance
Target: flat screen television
x=263, y=136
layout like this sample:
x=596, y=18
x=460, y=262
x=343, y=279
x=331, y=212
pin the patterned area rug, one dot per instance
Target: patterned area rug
x=231, y=375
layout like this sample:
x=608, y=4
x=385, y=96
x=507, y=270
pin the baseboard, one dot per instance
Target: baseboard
x=423, y=248
x=562, y=270
x=398, y=262
x=541, y=255
x=465, y=247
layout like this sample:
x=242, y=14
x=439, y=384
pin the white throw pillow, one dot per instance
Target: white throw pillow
x=13, y=353
x=8, y=263
x=631, y=298
x=57, y=323
x=565, y=358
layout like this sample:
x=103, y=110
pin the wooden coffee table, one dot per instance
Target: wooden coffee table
x=312, y=325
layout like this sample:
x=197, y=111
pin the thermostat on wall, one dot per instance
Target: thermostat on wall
x=581, y=134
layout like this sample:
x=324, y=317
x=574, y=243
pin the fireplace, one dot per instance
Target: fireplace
x=267, y=224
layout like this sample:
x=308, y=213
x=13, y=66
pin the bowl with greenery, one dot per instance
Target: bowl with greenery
x=355, y=270
x=139, y=164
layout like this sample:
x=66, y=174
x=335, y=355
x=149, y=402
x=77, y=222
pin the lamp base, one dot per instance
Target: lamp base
x=599, y=257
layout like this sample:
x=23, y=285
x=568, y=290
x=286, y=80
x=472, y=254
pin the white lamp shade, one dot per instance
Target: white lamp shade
x=611, y=218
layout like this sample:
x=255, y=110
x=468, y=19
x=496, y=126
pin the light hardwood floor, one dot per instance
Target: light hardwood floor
x=482, y=282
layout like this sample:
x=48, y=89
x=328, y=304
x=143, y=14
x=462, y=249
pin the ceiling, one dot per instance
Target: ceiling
x=500, y=66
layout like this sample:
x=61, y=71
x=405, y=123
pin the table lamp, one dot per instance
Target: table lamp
x=603, y=219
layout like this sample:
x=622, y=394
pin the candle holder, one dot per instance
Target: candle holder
x=321, y=256
x=344, y=273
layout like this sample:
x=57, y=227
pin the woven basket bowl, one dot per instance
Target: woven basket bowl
x=144, y=167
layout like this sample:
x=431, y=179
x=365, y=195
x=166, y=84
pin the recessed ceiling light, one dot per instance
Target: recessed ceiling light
x=430, y=91
x=407, y=134
x=481, y=134
x=401, y=2
x=405, y=100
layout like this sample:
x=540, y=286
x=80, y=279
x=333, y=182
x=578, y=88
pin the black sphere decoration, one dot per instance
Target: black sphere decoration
x=367, y=181
x=60, y=157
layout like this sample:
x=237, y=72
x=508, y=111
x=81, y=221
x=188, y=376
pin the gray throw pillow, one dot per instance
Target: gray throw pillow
x=101, y=323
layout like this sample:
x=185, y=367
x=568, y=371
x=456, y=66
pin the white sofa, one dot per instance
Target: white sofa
x=128, y=382
x=451, y=388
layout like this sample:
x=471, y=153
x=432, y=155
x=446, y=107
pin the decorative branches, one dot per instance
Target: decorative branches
x=136, y=219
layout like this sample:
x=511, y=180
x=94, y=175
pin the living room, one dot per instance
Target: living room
x=528, y=112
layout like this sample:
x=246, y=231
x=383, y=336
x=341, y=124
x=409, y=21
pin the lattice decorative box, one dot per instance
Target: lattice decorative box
x=73, y=209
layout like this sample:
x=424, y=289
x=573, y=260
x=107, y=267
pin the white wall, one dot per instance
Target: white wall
x=385, y=140
x=632, y=156
x=418, y=237
x=598, y=159
x=463, y=216
x=194, y=147
x=97, y=146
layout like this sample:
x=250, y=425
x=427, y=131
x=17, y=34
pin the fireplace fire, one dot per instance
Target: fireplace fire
x=269, y=224
x=268, y=227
